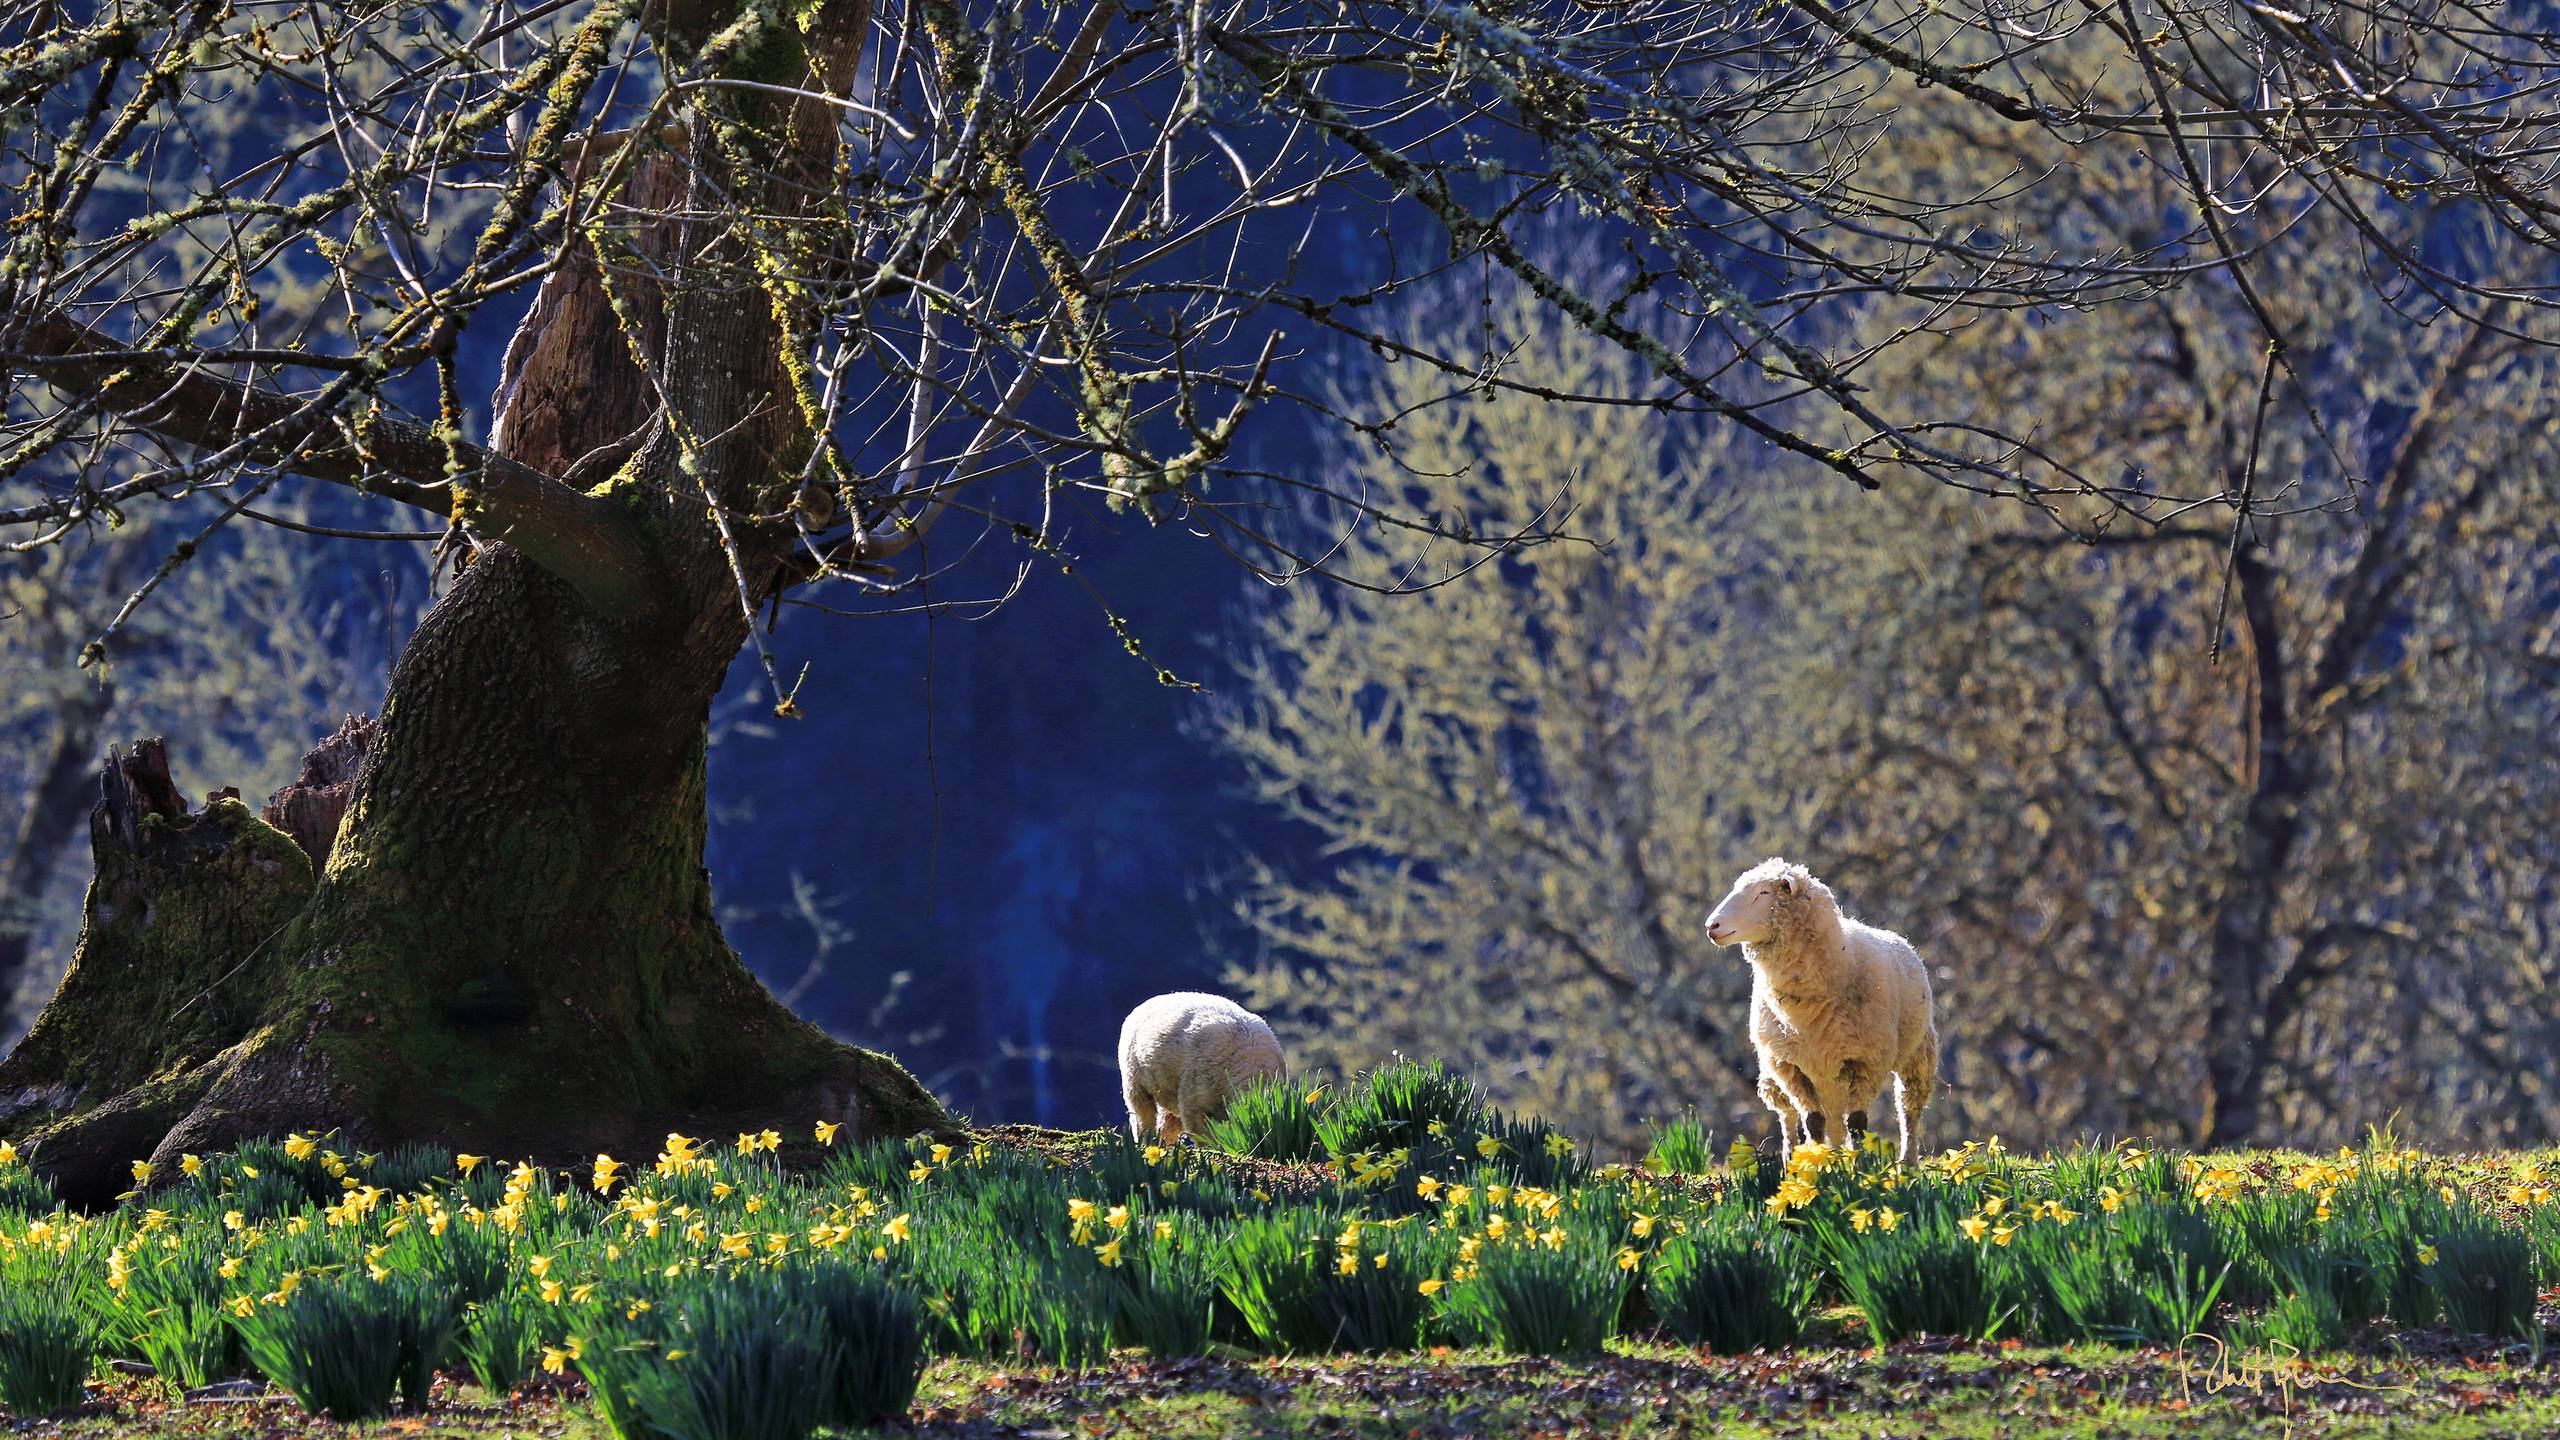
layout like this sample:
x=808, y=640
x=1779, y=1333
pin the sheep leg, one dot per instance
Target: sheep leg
x=1912, y=1092
x=1854, y=1128
x=1915, y=1082
x=1203, y=1098
x=1142, y=1109
x=1808, y=1102
x=1774, y=1096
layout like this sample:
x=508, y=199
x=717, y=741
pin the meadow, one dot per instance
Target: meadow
x=1393, y=1257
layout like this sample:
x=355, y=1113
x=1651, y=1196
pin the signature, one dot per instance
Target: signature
x=2280, y=1367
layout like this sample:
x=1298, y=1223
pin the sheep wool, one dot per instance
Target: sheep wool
x=1184, y=1056
x=1837, y=1007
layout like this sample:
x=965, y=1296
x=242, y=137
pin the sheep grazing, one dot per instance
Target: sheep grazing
x=1836, y=1006
x=1184, y=1056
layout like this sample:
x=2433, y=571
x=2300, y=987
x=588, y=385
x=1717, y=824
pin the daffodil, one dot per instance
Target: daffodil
x=1109, y=1254
x=1426, y=1187
x=141, y=1172
x=298, y=1147
x=1793, y=1192
x=1431, y=1286
x=941, y=1154
x=1974, y=1227
x=1153, y=1154
x=2427, y=1255
x=8, y=1153
x=1629, y=1258
x=1487, y=1146
x=469, y=1163
x=896, y=1229
x=190, y=1166
x=827, y=1131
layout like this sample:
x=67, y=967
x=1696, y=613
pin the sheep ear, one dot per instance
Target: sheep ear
x=1786, y=884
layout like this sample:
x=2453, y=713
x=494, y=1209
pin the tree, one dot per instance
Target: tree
x=2233, y=837
x=792, y=285
x=1526, y=778
x=2224, y=836
x=247, y=667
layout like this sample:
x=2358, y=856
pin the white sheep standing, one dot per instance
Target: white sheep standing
x=1836, y=1006
x=1184, y=1056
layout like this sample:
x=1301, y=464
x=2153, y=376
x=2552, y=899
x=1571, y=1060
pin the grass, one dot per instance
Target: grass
x=1967, y=1392
x=1446, y=1269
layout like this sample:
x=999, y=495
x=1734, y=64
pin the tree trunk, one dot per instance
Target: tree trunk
x=2244, y=928
x=511, y=946
x=53, y=809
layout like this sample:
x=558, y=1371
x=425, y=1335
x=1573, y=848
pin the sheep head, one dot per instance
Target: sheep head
x=1755, y=910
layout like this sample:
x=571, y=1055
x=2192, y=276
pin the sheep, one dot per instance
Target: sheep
x=1836, y=1006
x=1184, y=1056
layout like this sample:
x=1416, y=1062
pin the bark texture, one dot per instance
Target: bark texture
x=508, y=944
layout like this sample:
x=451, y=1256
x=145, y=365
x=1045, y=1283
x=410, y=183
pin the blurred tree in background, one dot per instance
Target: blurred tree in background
x=244, y=667
x=2208, y=835
x=761, y=298
x=1527, y=773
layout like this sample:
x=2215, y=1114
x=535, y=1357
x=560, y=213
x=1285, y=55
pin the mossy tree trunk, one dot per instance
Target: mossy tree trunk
x=510, y=946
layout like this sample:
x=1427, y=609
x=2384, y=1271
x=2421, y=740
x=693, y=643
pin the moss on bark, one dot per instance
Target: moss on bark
x=512, y=949
x=511, y=946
